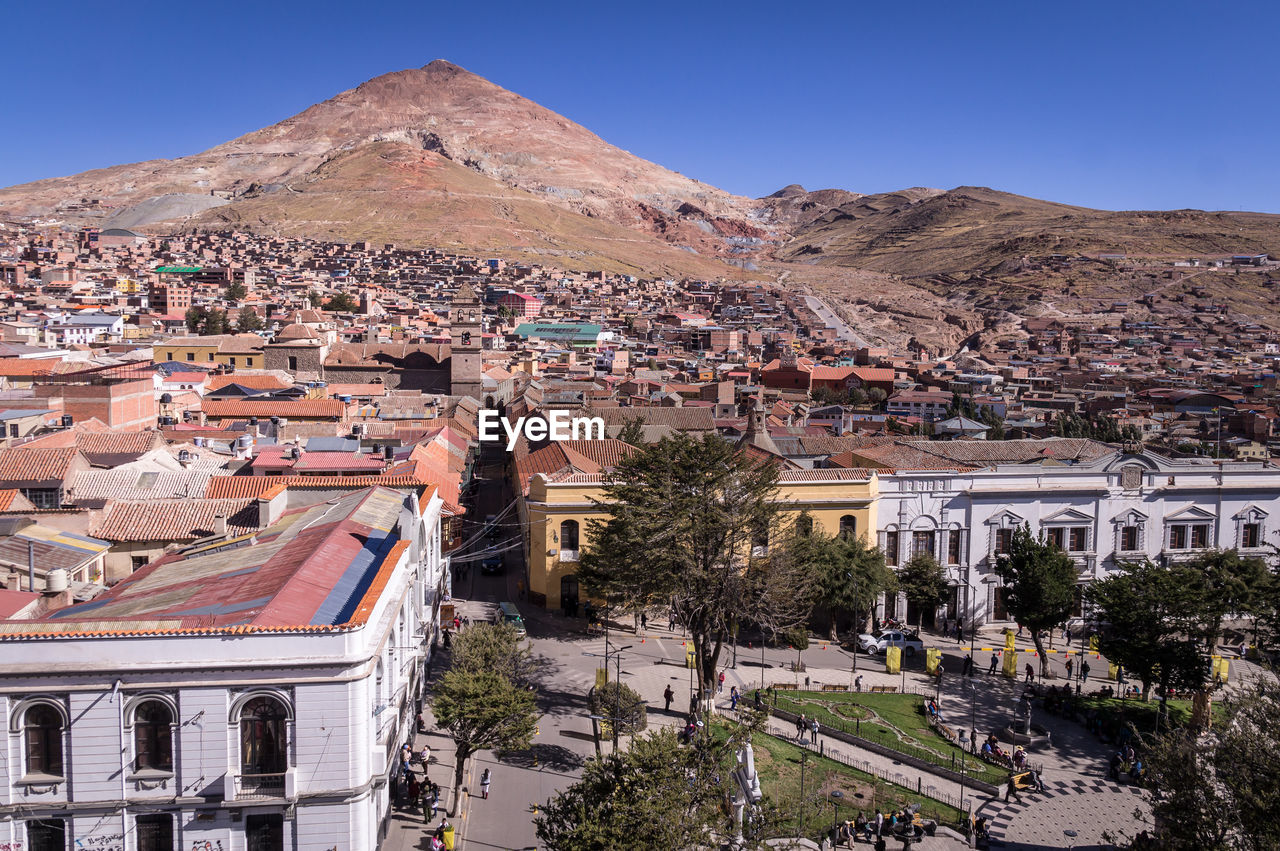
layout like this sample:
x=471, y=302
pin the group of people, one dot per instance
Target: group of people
x=1126, y=760
x=876, y=828
x=807, y=725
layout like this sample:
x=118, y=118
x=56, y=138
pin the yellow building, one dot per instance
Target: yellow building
x=235, y=350
x=560, y=501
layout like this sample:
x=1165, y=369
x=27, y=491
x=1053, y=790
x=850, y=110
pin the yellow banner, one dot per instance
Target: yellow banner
x=1093, y=644
x=602, y=676
x=1112, y=670
x=1008, y=639
x=1010, y=664
x=893, y=660
x=932, y=657
x=689, y=657
x=1221, y=668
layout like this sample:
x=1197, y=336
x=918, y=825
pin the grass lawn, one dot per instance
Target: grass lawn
x=778, y=764
x=907, y=731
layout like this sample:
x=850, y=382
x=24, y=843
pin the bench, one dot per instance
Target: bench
x=595, y=629
x=884, y=690
x=834, y=687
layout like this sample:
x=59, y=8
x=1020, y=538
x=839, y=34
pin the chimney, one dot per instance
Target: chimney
x=220, y=525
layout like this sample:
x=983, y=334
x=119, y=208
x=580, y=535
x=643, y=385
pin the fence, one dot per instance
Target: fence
x=892, y=777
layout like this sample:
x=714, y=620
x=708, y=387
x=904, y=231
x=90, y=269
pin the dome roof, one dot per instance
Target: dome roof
x=296, y=332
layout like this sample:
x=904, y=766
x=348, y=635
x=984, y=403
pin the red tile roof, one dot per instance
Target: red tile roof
x=265, y=408
x=174, y=519
x=37, y=465
x=227, y=487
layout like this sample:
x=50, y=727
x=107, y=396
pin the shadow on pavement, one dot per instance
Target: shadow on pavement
x=554, y=757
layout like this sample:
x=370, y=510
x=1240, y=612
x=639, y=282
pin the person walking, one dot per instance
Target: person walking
x=995, y=663
x=1011, y=788
x=1084, y=670
x=813, y=730
x=485, y=779
x=966, y=669
x=1071, y=663
x=857, y=683
x=1031, y=673
x=879, y=823
x=720, y=683
x=668, y=696
x=671, y=620
x=733, y=698
x=959, y=630
x=801, y=723
x=644, y=621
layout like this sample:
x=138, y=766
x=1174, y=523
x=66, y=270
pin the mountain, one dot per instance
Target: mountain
x=439, y=156
x=973, y=229
x=283, y=176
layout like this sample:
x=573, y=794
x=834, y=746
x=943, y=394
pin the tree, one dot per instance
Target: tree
x=1221, y=789
x=1230, y=584
x=849, y=572
x=248, y=320
x=688, y=525
x=215, y=322
x=235, y=292
x=876, y=396
x=1149, y=616
x=342, y=303
x=495, y=647
x=621, y=705
x=314, y=298
x=194, y=318
x=924, y=582
x=482, y=710
x=656, y=794
x=633, y=432
x=1040, y=584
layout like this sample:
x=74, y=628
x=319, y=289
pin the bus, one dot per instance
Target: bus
x=508, y=613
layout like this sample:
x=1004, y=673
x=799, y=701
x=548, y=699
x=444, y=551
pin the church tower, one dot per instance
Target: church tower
x=466, y=343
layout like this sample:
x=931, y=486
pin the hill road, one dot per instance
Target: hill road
x=833, y=320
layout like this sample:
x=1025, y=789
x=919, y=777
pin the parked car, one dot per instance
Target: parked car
x=909, y=642
x=491, y=565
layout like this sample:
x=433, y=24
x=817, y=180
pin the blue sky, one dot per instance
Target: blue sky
x=1118, y=105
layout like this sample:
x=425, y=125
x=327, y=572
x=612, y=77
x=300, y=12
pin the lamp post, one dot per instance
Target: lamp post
x=617, y=691
x=836, y=797
x=804, y=760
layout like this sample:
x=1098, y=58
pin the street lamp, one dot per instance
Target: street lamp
x=836, y=797
x=617, y=681
x=804, y=760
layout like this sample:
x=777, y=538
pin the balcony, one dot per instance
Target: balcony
x=259, y=787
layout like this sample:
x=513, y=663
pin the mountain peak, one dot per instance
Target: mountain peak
x=444, y=65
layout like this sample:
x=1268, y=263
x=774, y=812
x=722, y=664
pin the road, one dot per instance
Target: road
x=833, y=320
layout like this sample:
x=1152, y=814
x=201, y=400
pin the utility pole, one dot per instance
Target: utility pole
x=804, y=760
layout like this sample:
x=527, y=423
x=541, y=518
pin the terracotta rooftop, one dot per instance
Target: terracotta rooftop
x=37, y=465
x=174, y=519
x=266, y=408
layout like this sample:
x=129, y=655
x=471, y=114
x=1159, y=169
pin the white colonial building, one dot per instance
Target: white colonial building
x=244, y=694
x=1119, y=506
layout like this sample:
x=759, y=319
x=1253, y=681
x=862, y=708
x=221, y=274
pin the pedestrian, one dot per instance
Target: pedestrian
x=644, y=621
x=1011, y=788
x=857, y=683
x=879, y=823
x=938, y=674
x=1113, y=772
x=720, y=683
x=484, y=784
x=966, y=669
x=813, y=729
x=759, y=703
x=1031, y=673
x=1071, y=663
x=671, y=621
x=1084, y=670
x=959, y=630
x=801, y=723
x=995, y=662
x=1019, y=630
x=668, y=696
x=733, y=698
x=420, y=723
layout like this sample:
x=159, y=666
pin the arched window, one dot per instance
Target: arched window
x=153, y=736
x=569, y=536
x=848, y=526
x=42, y=728
x=264, y=741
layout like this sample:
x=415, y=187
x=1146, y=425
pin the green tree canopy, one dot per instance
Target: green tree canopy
x=1149, y=616
x=619, y=701
x=1221, y=790
x=849, y=573
x=314, y=298
x=248, y=320
x=924, y=582
x=633, y=432
x=1230, y=584
x=685, y=522
x=656, y=794
x=235, y=292
x=1039, y=585
x=342, y=303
